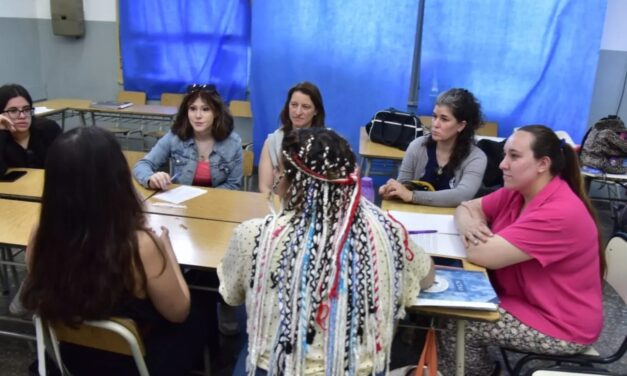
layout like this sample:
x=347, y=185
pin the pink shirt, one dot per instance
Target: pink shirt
x=558, y=292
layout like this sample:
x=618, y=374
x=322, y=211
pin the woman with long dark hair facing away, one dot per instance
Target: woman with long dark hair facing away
x=325, y=279
x=201, y=148
x=93, y=256
x=303, y=108
x=447, y=158
x=24, y=138
x=538, y=238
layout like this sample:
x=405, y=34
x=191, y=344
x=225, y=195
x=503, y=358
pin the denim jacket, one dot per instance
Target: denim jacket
x=225, y=161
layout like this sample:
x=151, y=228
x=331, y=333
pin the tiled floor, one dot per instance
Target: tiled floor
x=16, y=354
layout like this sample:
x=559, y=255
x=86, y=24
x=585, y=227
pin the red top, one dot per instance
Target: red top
x=202, y=176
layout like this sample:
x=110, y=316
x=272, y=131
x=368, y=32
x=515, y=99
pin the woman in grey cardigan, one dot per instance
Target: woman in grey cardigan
x=447, y=158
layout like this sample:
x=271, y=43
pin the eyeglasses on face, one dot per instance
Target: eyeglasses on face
x=15, y=112
x=210, y=88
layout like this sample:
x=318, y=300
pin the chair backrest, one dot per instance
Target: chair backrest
x=135, y=97
x=240, y=109
x=616, y=256
x=171, y=99
x=118, y=335
x=247, y=165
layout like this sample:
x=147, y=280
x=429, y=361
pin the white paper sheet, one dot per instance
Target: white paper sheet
x=447, y=245
x=180, y=194
x=442, y=223
x=43, y=109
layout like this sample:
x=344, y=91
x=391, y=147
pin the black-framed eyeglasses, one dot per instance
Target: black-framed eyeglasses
x=15, y=112
x=210, y=88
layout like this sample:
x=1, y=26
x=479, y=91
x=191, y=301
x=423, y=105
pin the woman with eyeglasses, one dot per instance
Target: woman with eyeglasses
x=201, y=147
x=303, y=108
x=24, y=139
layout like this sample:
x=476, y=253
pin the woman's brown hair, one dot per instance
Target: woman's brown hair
x=85, y=260
x=313, y=93
x=565, y=163
x=222, y=120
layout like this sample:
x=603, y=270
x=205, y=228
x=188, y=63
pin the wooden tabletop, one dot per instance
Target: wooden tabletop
x=196, y=242
x=371, y=149
x=30, y=186
x=83, y=105
x=16, y=221
x=27, y=187
x=218, y=205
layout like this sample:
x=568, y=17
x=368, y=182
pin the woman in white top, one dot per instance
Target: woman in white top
x=303, y=109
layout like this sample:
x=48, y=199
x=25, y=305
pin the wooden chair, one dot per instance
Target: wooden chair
x=135, y=97
x=118, y=335
x=616, y=255
x=240, y=109
x=247, y=175
x=167, y=99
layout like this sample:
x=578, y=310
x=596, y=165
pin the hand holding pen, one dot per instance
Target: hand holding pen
x=161, y=180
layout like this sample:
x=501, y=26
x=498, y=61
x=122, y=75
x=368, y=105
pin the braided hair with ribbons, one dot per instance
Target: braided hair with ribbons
x=327, y=278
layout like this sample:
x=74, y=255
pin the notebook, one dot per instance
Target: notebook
x=459, y=288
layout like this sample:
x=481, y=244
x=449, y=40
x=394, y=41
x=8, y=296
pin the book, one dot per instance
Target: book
x=110, y=105
x=459, y=288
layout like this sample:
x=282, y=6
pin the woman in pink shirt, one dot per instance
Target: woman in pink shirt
x=538, y=238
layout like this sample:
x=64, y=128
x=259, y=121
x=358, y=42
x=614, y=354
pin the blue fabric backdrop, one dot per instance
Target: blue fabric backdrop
x=527, y=62
x=166, y=45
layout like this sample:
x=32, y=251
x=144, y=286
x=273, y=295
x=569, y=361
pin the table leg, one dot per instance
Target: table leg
x=459, y=347
x=368, y=165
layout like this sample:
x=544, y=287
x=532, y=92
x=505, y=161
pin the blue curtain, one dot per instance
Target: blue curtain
x=358, y=52
x=166, y=45
x=527, y=62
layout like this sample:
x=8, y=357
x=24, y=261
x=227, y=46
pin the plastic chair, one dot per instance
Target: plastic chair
x=247, y=163
x=117, y=335
x=616, y=255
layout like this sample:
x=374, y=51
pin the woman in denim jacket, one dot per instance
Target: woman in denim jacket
x=201, y=147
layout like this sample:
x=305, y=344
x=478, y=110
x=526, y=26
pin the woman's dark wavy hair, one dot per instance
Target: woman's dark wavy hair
x=10, y=91
x=564, y=163
x=222, y=118
x=85, y=259
x=313, y=93
x=465, y=107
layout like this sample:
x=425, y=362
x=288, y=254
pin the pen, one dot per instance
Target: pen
x=416, y=232
x=174, y=177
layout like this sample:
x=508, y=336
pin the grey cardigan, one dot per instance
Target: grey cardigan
x=465, y=183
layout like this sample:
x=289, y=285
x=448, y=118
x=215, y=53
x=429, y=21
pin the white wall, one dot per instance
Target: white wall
x=94, y=10
x=615, y=29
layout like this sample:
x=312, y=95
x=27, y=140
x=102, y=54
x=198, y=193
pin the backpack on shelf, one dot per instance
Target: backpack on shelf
x=605, y=146
x=394, y=128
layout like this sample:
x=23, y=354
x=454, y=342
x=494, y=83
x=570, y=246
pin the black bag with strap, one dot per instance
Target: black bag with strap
x=395, y=128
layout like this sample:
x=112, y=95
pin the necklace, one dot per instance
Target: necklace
x=440, y=170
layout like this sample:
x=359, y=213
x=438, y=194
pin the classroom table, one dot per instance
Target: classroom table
x=460, y=315
x=30, y=186
x=197, y=243
x=217, y=204
x=82, y=106
x=369, y=150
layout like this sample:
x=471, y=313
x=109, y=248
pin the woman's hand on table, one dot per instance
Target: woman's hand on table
x=159, y=180
x=394, y=189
